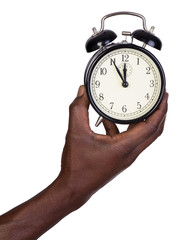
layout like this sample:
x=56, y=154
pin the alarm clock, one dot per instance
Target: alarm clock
x=125, y=82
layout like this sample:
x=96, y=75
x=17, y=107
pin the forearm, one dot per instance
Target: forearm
x=34, y=217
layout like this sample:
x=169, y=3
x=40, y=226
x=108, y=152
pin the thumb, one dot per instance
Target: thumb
x=78, y=112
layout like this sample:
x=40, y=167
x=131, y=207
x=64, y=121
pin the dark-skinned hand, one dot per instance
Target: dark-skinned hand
x=89, y=161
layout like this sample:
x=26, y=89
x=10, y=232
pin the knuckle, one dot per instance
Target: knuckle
x=160, y=130
x=153, y=127
x=73, y=107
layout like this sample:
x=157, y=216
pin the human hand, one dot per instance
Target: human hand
x=91, y=160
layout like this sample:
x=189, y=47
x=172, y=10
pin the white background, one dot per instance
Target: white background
x=42, y=62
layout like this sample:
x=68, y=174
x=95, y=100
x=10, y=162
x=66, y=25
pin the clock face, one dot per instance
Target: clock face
x=125, y=84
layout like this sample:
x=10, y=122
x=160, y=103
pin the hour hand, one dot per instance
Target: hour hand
x=125, y=76
x=125, y=72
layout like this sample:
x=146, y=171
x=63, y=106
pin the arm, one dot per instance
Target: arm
x=34, y=217
x=89, y=161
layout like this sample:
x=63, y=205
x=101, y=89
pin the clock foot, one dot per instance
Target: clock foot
x=99, y=121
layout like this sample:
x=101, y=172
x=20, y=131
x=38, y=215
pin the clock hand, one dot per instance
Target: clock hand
x=118, y=71
x=125, y=76
x=124, y=84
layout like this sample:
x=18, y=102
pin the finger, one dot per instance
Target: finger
x=78, y=111
x=141, y=147
x=153, y=137
x=110, y=128
x=139, y=132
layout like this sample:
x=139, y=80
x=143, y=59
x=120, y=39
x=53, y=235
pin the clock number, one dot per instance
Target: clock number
x=152, y=84
x=125, y=58
x=112, y=61
x=103, y=71
x=148, y=69
x=101, y=96
x=112, y=104
x=138, y=105
x=124, y=108
x=97, y=84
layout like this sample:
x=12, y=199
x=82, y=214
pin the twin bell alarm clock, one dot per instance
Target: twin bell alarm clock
x=125, y=82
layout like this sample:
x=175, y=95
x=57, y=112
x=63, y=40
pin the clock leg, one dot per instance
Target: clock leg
x=99, y=121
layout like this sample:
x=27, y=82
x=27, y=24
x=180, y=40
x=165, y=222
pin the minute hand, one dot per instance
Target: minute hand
x=125, y=83
x=119, y=72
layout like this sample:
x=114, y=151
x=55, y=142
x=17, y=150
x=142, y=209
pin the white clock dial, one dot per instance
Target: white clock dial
x=125, y=84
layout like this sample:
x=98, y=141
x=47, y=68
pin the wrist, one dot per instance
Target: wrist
x=68, y=195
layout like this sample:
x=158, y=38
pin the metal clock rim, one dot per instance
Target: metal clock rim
x=94, y=61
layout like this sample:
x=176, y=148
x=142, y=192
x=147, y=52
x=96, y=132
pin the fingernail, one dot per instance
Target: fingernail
x=80, y=91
